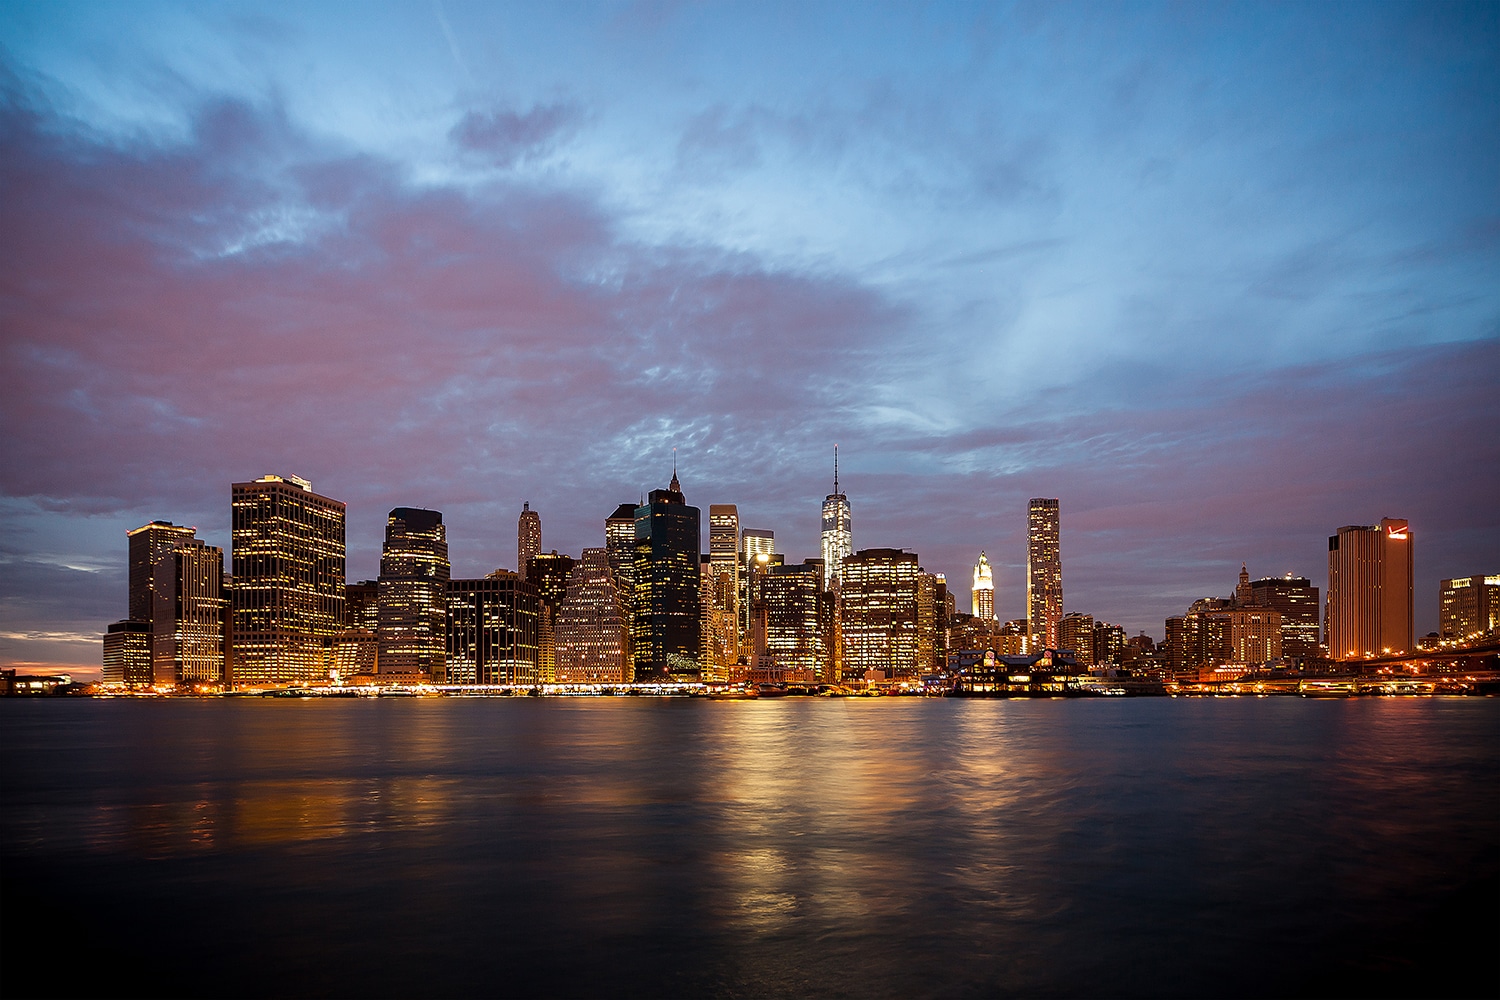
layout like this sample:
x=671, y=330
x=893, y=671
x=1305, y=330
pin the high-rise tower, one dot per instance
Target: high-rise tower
x=722, y=589
x=528, y=537
x=1044, y=596
x=838, y=536
x=188, y=619
x=414, y=572
x=983, y=593
x=666, y=626
x=1370, y=589
x=288, y=588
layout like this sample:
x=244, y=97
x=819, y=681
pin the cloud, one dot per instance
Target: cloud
x=505, y=137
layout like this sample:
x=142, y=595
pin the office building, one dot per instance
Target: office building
x=723, y=591
x=754, y=543
x=288, y=589
x=1468, y=607
x=1298, y=603
x=797, y=613
x=838, y=529
x=719, y=607
x=1370, y=590
x=619, y=546
x=592, y=632
x=362, y=605
x=147, y=545
x=127, y=655
x=1076, y=635
x=528, y=537
x=666, y=623
x=492, y=627
x=188, y=617
x=982, y=594
x=414, y=572
x=1109, y=644
x=1044, y=596
x=878, y=614
x=548, y=572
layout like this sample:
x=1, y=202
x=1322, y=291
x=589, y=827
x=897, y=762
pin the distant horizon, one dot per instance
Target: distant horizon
x=1223, y=279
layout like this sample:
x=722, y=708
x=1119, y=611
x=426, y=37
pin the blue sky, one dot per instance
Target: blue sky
x=1222, y=278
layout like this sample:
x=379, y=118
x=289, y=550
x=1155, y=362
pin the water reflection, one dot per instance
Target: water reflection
x=857, y=847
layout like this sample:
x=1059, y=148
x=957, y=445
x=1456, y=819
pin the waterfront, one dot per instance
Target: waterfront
x=809, y=847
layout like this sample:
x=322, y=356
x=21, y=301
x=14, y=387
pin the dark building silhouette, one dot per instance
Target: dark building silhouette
x=414, y=573
x=666, y=625
x=492, y=630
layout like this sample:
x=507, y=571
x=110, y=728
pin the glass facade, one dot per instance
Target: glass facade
x=1044, y=596
x=414, y=572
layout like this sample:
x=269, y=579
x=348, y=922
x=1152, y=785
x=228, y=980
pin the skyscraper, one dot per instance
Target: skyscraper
x=754, y=542
x=492, y=630
x=619, y=546
x=724, y=562
x=187, y=644
x=982, y=596
x=838, y=534
x=1044, y=596
x=665, y=632
x=528, y=537
x=1370, y=589
x=1076, y=635
x=127, y=654
x=878, y=613
x=592, y=630
x=1296, y=600
x=1468, y=606
x=288, y=587
x=414, y=572
x=548, y=573
x=796, y=617
x=148, y=544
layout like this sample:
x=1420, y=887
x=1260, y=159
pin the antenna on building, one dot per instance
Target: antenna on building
x=835, y=468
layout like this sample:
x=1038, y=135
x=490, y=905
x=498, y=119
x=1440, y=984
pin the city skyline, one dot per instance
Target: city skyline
x=1221, y=280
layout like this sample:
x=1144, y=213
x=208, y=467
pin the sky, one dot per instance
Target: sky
x=1220, y=277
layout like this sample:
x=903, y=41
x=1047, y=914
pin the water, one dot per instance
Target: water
x=797, y=847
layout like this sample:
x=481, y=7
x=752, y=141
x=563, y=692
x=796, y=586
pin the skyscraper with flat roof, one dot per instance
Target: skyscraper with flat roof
x=1370, y=589
x=1468, y=606
x=838, y=529
x=592, y=630
x=878, y=613
x=492, y=628
x=528, y=537
x=722, y=592
x=414, y=572
x=288, y=589
x=1044, y=596
x=187, y=644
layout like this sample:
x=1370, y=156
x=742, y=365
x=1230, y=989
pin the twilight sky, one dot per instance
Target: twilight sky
x=1221, y=278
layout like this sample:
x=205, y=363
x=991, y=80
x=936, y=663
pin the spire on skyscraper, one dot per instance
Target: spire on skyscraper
x=675, y=487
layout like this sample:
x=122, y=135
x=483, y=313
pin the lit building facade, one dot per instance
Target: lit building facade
x=797, y=615
x=414, y=572
x=127, y=655
x=147, y=545
x=878, y=613
x=492, y=630
x=722, y=592
x=719, y=608
x=754, y=543
x=548, y=572
x=838, y=529
x=982, y=594
x=1076, y=635
x=666, y=624
x=1044, y=595
x=1370, y=589
x=1468, y=607
x=619, y=546
x=1109, y=644
x=1298, y=603
x=187, y=643
x=592, y=631
x=288, y=588
x=528, y=537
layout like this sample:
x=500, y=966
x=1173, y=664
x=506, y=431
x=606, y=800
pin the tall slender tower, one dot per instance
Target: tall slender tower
x=724, y=565
x=288, y=581
x=1044, y=596
x=528, y=537
x=838, y=537
x=1370, y=589
x=414, y=573
x=983, y=592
